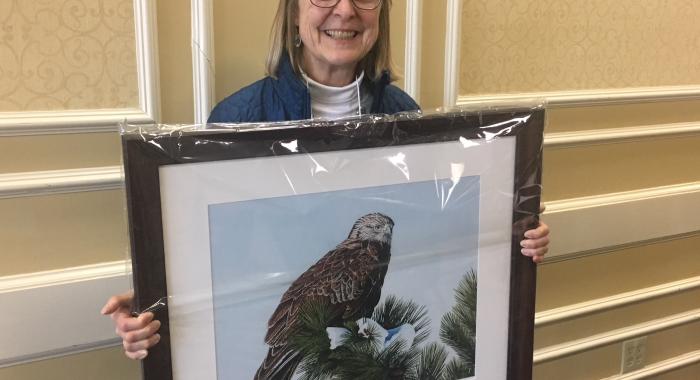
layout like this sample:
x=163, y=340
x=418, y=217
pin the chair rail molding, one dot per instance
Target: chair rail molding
x=661, y=367
x=203, y=58
x=573, y=347
x=103, y=120
x=587, y=97
x=618, y=135
x=38, y=183
x=598, y=305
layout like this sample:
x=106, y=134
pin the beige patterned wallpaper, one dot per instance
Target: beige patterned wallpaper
x=67, y=55
x=554, y=45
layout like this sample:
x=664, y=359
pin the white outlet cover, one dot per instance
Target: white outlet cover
x=633, y=354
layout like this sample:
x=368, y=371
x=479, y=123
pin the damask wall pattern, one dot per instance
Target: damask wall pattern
x=67, y=55
x=559, y=45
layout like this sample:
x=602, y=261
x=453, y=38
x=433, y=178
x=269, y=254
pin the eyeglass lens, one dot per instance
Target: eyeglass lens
x=361, y=4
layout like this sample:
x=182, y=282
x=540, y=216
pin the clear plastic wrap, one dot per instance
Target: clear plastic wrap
x=337, y=249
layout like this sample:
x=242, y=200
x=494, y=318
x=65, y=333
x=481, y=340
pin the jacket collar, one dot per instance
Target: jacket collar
x=297, y=100
x=292, y=91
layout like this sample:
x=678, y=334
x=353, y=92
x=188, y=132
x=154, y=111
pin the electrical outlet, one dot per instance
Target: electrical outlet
x=633, y=354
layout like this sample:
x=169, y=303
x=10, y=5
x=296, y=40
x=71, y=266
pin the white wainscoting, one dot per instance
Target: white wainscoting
x=565, y=349
x=453, y=33
x=618, y=135
x=203, y=64
x=598, y=305
x=661, y=367
x=39, y=183
x=414, y=24
x=54, y=313
x=589, y=224
x=587, y=97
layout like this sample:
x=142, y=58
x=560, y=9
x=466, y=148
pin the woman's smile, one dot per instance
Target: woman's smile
x=334, y=40
x=340, y=34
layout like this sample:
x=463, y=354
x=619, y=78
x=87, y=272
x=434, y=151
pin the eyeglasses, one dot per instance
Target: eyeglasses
x=366, y=5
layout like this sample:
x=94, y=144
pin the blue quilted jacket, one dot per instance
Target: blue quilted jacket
x=287, y=98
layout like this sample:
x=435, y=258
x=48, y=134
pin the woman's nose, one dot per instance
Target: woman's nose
x=344, y=7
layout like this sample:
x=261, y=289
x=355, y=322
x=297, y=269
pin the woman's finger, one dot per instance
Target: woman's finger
x=535, y=252
x=138, y=355
x=116, y=302
x=535, y=243
x=142, y=345
x=126, y=323
x=144, y=333
x=541, y=231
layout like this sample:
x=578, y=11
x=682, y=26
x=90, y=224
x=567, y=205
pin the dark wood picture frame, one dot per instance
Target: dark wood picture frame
x=146, y=151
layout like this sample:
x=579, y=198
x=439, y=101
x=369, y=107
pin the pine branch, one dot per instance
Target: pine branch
x=360, y=356
x=432, y=362
x=458, y=328
x=395, y=312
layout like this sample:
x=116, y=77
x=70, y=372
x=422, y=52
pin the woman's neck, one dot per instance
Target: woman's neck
x=335, y=76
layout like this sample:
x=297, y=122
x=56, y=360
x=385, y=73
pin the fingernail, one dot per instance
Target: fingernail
x=523, y=251
x=141, y=354
x=522, y=243
x=157, y=336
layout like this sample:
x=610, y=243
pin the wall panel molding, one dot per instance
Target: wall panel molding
x=590, y=224
x=414, y=24
x=617, y=135
x=203, y=58
x=587, y=97
x=453, y=40
x=661, y=367
x=76, y=325
x=582, y=309
x=558, y=351
x=60, y=181
x=102, y=120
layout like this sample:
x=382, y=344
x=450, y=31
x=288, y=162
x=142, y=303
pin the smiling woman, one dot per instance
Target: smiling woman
x=328, y=58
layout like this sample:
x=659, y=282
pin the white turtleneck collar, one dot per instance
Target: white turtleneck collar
x=334, y=102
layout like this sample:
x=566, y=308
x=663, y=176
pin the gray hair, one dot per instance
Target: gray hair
x=283, y=33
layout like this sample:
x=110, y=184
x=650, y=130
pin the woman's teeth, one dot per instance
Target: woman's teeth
x=340, y=34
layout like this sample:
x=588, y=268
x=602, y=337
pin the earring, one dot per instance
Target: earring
x=297, y=39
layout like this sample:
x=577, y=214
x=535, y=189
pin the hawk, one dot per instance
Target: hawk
x=348, y=279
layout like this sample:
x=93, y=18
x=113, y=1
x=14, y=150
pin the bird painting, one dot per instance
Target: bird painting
x=348, y=279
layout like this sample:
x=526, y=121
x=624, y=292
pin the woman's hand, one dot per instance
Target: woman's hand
x=138, y=334
x=536, y=242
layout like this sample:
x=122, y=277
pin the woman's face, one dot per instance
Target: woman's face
x=336, y=38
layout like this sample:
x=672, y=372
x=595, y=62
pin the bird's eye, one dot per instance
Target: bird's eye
x=377, y=227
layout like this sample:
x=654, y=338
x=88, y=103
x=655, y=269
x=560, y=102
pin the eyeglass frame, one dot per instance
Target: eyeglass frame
x=354, y=4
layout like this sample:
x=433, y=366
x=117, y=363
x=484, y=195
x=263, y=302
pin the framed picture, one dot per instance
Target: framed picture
x=382, y=248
